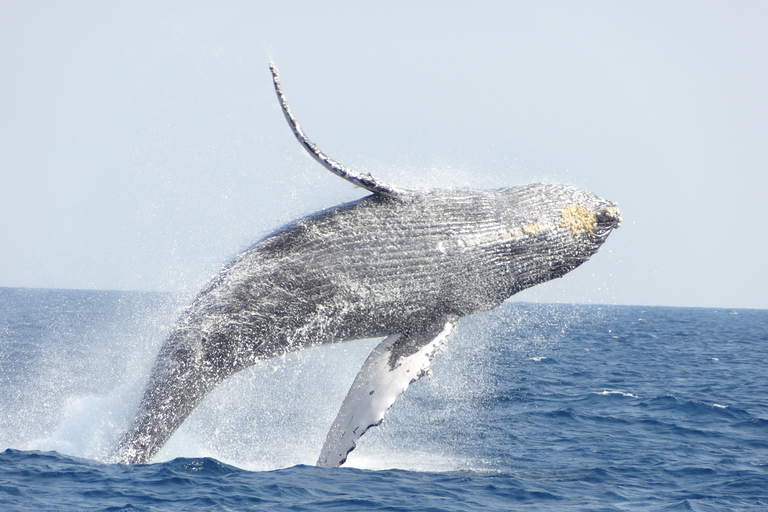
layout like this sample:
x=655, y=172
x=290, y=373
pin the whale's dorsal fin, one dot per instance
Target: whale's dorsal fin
x=365, y=181
x=396, y=363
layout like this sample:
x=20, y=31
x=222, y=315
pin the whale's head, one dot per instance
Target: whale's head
x=552, y=229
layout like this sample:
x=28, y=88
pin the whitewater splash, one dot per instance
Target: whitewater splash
x=74, y=364
x=588, y=407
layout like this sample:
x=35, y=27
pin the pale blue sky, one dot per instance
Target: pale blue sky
x=141, y=145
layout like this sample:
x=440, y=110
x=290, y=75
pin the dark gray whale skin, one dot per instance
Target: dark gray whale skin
x=370, y=268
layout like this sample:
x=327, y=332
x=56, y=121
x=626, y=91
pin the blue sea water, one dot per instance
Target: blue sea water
x=529, y=407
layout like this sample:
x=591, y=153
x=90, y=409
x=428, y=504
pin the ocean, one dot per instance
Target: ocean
x=529, y=407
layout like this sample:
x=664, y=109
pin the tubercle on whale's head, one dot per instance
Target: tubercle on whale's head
x=609, y=216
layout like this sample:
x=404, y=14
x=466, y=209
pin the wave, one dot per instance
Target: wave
x=547, y=406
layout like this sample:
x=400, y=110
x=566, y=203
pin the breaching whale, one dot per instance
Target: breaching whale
x=399, y=263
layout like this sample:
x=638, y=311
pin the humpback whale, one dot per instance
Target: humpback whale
x=399, y=264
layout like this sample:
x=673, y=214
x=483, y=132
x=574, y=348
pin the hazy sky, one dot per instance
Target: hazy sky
x=142, y=147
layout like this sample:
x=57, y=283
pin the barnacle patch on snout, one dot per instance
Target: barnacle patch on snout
x=578, y=219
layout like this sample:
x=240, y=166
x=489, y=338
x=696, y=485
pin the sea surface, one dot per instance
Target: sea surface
x=529, y=407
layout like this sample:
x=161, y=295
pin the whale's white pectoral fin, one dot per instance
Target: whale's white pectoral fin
x=384, y=377
x=365, y=181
